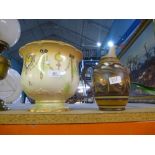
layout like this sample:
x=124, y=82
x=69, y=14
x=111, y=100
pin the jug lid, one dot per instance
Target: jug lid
x=111, y=52
x=111, y=55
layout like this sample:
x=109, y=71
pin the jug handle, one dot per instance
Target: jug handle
x=83, y=77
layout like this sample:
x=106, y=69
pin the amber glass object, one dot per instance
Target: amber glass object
x=4, y=66
x=111, y=83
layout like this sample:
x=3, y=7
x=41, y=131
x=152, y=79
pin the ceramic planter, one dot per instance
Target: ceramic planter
x=50, y=73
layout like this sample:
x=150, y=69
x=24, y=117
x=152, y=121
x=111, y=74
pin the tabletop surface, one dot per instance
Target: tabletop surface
x=79, y=113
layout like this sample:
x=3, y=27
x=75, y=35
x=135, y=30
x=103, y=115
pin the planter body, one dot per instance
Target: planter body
x=50, y=73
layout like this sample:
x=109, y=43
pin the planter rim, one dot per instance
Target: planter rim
x=39, y=42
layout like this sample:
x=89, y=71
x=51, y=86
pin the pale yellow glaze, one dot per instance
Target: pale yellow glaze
x=50, y=73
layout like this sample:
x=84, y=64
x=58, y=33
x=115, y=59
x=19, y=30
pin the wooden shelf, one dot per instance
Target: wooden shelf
x=81, y=119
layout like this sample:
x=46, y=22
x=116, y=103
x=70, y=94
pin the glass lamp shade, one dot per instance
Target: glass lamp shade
x=9, y=31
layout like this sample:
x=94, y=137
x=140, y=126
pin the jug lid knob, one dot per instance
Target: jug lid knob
x=111, y=52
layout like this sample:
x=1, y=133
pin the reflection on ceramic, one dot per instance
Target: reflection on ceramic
x=50, y=73
x=111, y=83
x=10, y=87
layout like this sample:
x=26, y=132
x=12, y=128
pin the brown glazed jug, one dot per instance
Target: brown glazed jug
x=111, y=83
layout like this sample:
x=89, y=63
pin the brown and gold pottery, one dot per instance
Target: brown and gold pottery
x=111, y=83
x=50, y=73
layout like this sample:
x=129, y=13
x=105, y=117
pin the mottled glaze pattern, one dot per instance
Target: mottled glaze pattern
x=50, y=73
